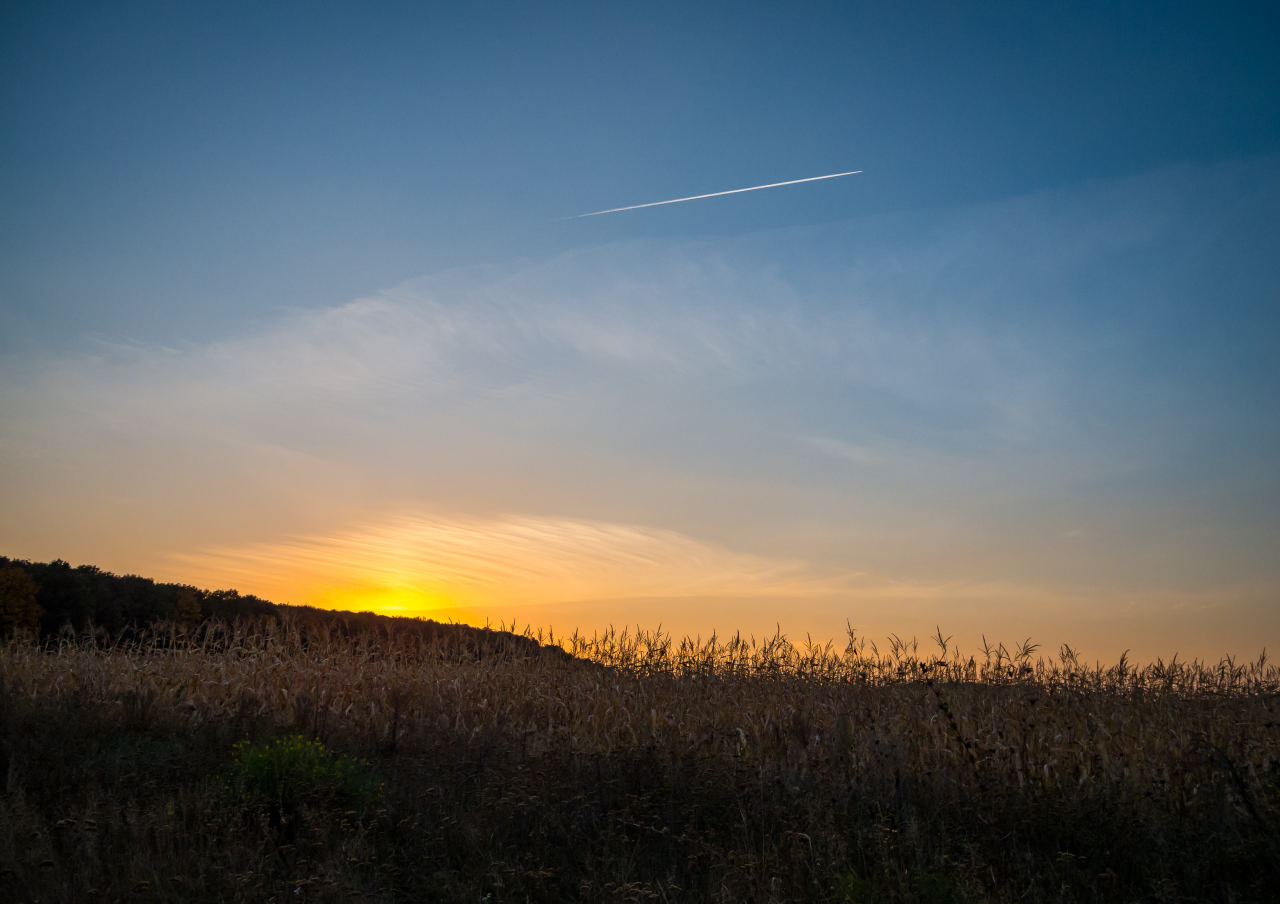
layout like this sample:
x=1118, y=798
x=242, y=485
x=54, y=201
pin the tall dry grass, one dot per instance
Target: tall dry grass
x=638, y=767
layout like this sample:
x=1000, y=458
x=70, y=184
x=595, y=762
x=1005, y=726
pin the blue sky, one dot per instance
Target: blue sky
x=283, y=288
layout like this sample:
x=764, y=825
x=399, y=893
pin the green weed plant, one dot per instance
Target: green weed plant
x=291, y=772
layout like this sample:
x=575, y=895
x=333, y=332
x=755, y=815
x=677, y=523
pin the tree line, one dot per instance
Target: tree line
x=45, y=599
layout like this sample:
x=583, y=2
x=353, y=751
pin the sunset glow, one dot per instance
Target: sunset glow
x=300, y=313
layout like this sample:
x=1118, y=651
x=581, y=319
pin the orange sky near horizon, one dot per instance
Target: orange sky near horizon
x=563, y=575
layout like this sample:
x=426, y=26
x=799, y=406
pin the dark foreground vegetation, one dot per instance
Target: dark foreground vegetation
x=290, y=754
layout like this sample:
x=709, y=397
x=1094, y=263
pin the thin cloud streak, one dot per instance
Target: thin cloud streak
x=716, y=194
x=503, y=560
x=555, y=571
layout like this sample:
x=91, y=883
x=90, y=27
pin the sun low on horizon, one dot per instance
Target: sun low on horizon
x=884, y=318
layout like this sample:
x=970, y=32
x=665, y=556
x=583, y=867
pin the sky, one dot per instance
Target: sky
x=296, y=299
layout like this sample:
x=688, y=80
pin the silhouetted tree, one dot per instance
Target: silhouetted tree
x=64, y=595
x=18, y=607
x=187, y=610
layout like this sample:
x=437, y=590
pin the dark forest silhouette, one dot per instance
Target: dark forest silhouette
x=53, y=598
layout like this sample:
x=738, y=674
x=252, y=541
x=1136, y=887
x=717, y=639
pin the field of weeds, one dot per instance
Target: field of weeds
x=289, y=761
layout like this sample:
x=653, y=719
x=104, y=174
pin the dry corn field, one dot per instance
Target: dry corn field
x=627, y=767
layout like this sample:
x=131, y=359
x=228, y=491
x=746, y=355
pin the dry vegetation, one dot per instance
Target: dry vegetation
x=183, y=767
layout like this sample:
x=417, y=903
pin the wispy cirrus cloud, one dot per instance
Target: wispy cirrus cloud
x=427, y=561
x=557, y=572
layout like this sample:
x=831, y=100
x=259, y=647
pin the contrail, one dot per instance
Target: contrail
x=715, y=194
